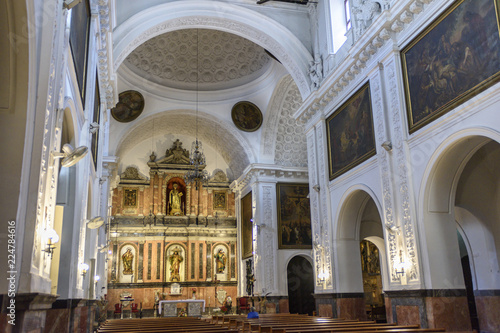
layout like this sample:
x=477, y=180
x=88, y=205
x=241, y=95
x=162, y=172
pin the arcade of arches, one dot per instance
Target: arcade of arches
x=349, y=169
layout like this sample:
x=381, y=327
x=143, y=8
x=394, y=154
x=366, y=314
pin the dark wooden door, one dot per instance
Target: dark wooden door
x=300, y=286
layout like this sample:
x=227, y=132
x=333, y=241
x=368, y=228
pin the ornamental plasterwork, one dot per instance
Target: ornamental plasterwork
x=105, y=64
x=270, y=172
x=290, y=138
x=381, y=30
x=167, y=59
x=382, y=154
x=402, y=171
x=324, y=199
x=267, y=242
x=315, y=219
x=219, y=23
x=235, y=150
x=272, y=115
x=132, y=173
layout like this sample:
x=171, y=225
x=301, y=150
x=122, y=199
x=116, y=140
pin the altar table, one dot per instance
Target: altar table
x=195, y=307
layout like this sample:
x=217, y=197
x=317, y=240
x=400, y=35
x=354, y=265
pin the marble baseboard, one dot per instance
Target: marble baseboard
x=488, y=310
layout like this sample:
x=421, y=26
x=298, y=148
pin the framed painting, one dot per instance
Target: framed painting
x=246, y=116
x=350, y=133
x=79, y=41
x=294, y=216
x=129, y=106
x=246, y=226
x=130, y=198
x=220, y=200
x=455, y=58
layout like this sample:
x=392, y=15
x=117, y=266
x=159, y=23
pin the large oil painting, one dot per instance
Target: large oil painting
x=246, y=226
x=455, y=58
x=79, y=40
x=350, y=133
x=294, y=216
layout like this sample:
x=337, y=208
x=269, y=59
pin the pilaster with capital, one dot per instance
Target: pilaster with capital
x=404, y=226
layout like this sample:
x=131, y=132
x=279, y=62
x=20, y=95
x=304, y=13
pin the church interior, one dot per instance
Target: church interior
x=330, y=158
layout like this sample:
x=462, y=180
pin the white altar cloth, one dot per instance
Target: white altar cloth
x=183, y=301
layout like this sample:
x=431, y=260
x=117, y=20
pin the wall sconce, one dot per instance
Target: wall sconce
x=84, y=267
x=69, y=155
x=316, y=188
x=97, y=278
x=95, y=223
x=93, y=127
x=400, y=267
x=322, y=276
x=52, y=238
x=70, y=4
x=387, y=145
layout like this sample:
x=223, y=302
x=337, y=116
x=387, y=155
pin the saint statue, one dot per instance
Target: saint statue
x=175, y=264
x=220, y=260
x=128, y=258
x=174, y=201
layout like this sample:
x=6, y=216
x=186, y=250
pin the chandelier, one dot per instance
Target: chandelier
x=197, y=175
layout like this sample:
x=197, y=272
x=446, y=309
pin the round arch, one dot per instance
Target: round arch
x=230, y=144
x=246, y=23
x=348, y=219
x=436, y=206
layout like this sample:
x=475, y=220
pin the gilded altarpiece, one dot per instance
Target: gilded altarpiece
x=183, y=239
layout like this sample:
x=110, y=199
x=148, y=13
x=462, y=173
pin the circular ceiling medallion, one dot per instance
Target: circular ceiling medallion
x=129, y=107
x=246, y=116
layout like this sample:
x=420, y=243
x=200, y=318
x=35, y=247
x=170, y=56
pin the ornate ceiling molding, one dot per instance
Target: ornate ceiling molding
x=219, y=16
x=223, y=137
x=387, y=26
x=198, y=59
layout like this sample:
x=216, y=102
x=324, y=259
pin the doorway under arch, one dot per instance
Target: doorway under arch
x=300, y=277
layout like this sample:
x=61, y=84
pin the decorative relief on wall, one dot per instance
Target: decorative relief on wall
x=131, y=173
x=385, y=167
x=403, y=181
x=176, y=154
x=141, y=262
x=324, y=199
x=267, y=243
x=315, y=220
x=290, y=138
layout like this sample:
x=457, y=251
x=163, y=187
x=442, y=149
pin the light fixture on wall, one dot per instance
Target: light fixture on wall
x=69, y=155
x=387, y=145
x=197, y=175
x=400, y=266
x=84, y=268
x=95, y=223
x=52, y=238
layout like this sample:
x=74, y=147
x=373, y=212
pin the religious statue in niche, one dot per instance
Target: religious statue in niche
x=220, y=260
x=127, y=258
x=175, y=260
x=250, y=278
x=175, y=200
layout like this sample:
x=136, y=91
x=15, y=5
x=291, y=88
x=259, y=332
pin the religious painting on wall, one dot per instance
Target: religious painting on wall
x=246, y=226
x=246, y=116
x=130, y=198
x=351, y=138
x=455, y=58
x=220, y=201
x=79, y=41
x=129, y=107
x=294, y=216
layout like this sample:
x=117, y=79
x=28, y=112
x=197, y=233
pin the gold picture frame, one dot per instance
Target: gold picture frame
x=452, y=60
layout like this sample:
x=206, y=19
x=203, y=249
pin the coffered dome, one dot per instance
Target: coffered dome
x=216, y=59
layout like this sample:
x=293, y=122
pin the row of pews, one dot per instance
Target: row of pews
x=289, y=323
x=271, y=323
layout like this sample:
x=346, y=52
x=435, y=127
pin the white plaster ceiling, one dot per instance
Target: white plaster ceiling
x=221, y=137
x=202, y=59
